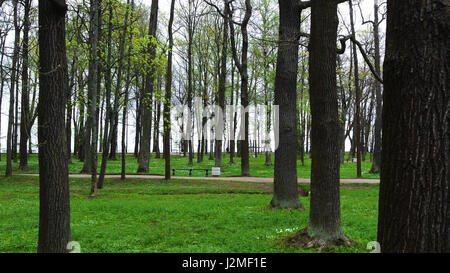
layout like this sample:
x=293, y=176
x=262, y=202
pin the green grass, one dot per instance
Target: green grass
x=257, y=167
x=177, y=216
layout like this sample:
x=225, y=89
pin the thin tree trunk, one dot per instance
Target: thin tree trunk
x=222, y=89
x=127, y=91
x=9, y=140
x=168, y=96
x=106, y=135
x=2, y=52
x=156, y=131
x=232, y=124
x=25, y=103
x=357, y=122
x=16, y=113
x=92, y=94
x=378, y=94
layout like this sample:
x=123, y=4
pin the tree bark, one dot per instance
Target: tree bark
x=108, y=114
x=93, y=84
x=325, y=217
x=168, y=97
x=242, y=66
x=144, y=153
x=127, y=88
x=9, y=140
x=25, y=101
x=378, y=96
x=222, y=89
x=285, y=193
x=54, y=212
x=414, y=205
x=357, y=121
x=2, y=52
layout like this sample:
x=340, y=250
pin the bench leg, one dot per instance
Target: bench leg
x=190, y=172
x=206, y=173
x=173, y=172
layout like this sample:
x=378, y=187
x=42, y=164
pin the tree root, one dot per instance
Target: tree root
x=301, y=239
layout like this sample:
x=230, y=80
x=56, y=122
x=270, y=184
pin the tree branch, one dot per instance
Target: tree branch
x=341, y=50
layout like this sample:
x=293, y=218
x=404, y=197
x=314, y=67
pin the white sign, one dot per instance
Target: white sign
x=215, y=171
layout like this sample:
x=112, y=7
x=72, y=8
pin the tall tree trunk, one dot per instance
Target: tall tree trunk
x=378, y=95
x=108, y=115
x=222, y=89
x=16, y=113
x=92, y=96
x=91, y=128
x=144, y=153
x=54, y=212
x=325, y=214
x=25, y=103
x=357, y=121
x=2, y=52
x=285, y=194
x=242, y=66
x=9, y=140
x=414, y=206
x=127, y=90
x=168, y=96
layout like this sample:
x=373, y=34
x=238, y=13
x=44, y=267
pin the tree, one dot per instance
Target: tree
x=357, y=121
x=325, y=217
x=127, y=88
x=108, y=115
x=414, y=210
x=242, y=65
x=54, y=213
x=144, y=153
x=9, y=138
x=285, y=174
x=267, y=56
x=25, y=127
x=91, y=123
x=93, y=89
x=378, y=94
x=168, y=96
x=2, y=76
x=222, y=89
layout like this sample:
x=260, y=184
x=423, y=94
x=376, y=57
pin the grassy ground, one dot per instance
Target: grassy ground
x=176, y=216
x=257, y=167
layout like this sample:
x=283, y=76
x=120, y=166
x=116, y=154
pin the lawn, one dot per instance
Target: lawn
x=257, y=167
x=177, y=216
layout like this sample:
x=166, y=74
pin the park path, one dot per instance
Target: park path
x=232, y=178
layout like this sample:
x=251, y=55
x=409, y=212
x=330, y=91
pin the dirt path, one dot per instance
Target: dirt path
x=233, y=178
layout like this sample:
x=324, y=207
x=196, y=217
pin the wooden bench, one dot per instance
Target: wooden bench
x=190, y=171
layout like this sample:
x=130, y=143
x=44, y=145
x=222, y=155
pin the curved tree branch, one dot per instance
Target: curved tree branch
x=341, y=50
